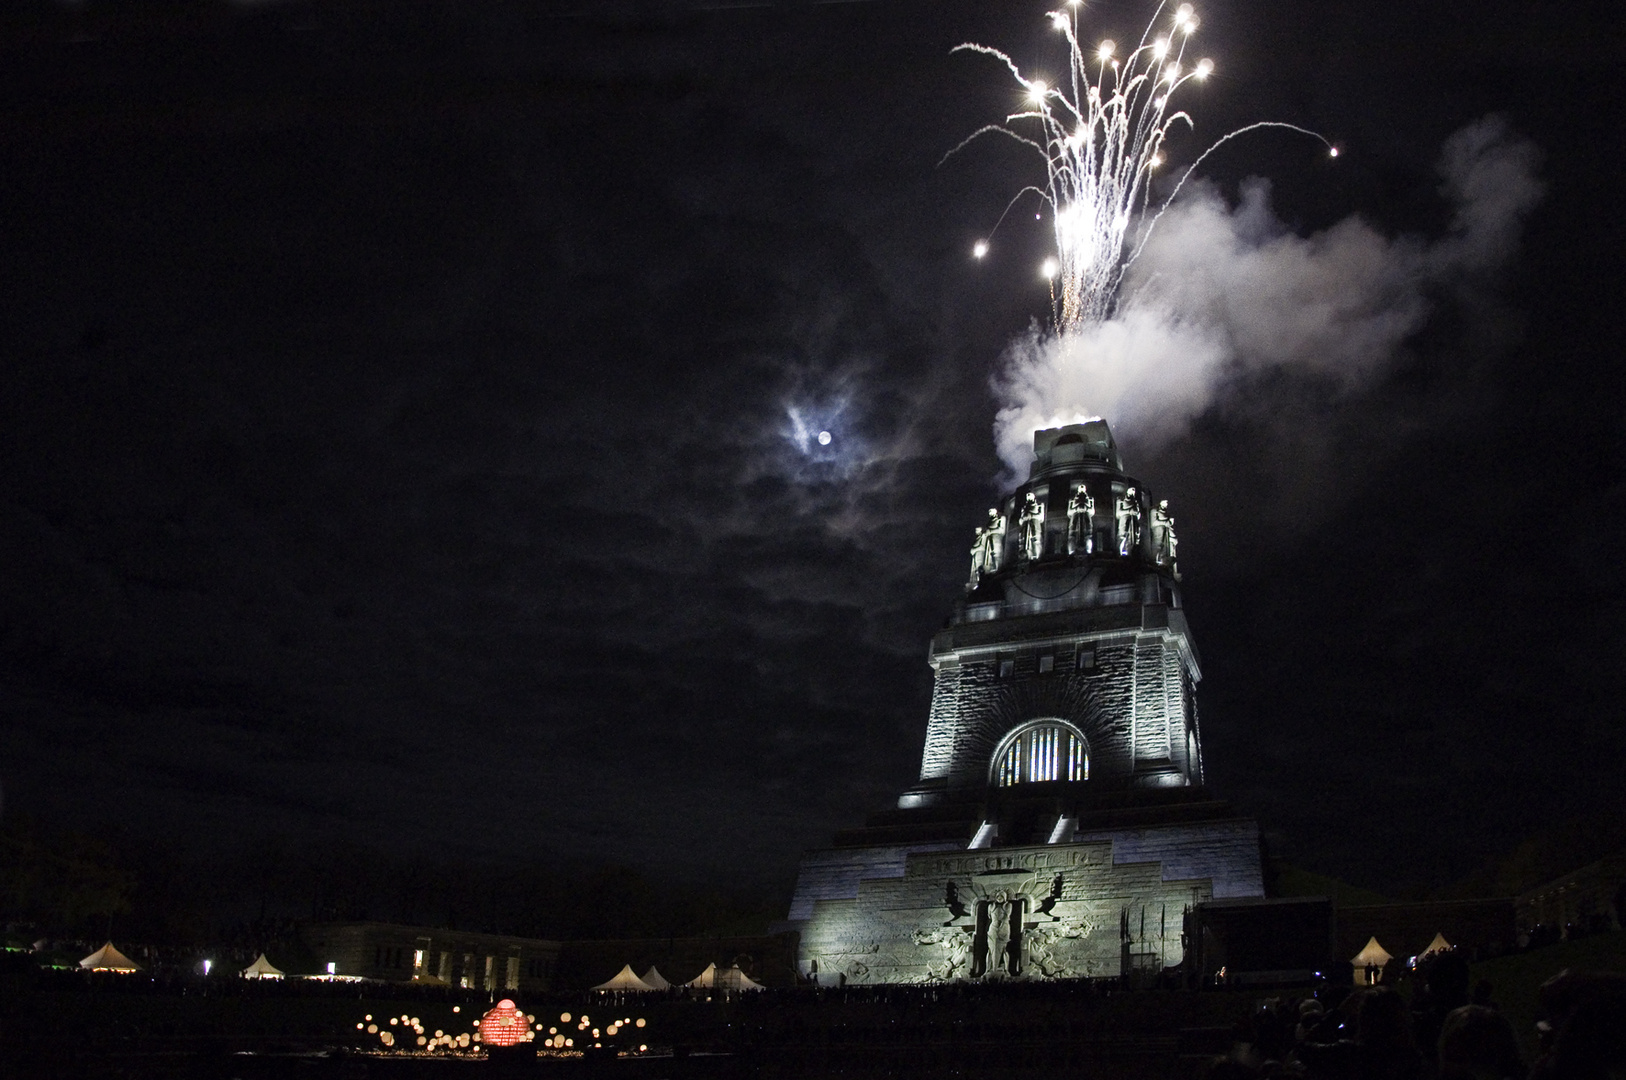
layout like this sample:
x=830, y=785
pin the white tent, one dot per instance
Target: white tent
x=1373, y=956
x=739, y=980
x=261, y=969
x=655, y=979
x=108, y=958
x=732, y=979
x=1439, y=944
x=624, y=979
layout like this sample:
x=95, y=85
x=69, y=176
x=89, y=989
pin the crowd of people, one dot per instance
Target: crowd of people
x=1445, y=1031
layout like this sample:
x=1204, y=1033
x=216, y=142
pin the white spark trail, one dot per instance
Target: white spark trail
x=1102, y=136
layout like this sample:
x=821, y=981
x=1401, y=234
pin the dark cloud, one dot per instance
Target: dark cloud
x=399, y=436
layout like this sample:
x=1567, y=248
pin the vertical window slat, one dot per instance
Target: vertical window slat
x=1042, y=753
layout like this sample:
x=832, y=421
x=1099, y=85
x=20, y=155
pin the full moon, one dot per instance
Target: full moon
x=824, y=438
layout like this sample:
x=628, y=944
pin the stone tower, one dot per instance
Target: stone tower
x=1060, y=800
x=1068, y=667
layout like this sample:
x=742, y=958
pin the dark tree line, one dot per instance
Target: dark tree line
x=58, y=883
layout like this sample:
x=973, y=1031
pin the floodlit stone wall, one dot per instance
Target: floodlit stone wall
x=1051, y=912
x=835, y=873
x=1131, y=697
x=1224, y=852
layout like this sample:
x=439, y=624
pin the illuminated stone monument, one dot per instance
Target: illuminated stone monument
x=1060, y=827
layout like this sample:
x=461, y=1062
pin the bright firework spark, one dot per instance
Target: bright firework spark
x=1101, y=134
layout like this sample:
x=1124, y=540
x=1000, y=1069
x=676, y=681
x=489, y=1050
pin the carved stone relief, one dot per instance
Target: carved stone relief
x=1002, y=929
x=1032, y=913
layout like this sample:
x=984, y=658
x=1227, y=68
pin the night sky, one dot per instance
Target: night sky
x=398, y=401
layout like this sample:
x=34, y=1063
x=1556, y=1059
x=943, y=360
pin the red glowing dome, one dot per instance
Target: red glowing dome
x=504, y=1025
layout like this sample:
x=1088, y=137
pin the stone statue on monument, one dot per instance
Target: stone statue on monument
x=1081, y=522
x=979, y=551
x=999, y=934
x=1128, y=515
x=1032, y=525
x=993, y=539
x=1163, y=540
x=1051, y=897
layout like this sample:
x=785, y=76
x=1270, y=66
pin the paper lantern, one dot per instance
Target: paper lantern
x=504, y=1025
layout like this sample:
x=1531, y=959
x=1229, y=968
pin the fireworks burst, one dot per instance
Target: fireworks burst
x=1101, y=133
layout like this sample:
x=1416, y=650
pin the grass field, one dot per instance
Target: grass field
x=1515, y=979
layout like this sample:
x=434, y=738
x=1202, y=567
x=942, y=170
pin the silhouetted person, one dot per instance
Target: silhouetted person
x=1583, y=1033
x=1229, y=1068
x=1381, y=1050
x=1445, y=978
x=1477, y=1043
x=1311, y=1014
x=1274, y=1024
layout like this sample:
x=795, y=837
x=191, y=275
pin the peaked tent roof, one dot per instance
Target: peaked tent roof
x=739, y=980
x=1373, y=954
x=1439, y=944
x=625, y=979
x=655, y=979
x=108, y=958
x=732, y=979
x=261, y=969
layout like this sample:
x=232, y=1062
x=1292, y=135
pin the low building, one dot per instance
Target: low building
x=1589, y=899
x=394, y=953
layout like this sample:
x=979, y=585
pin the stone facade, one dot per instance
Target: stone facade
x=1050, y=912
x=1122, y=675
x=1088, y=634
x=1060, y=797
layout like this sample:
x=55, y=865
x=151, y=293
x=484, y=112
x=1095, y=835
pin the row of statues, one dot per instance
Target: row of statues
x=988, y=549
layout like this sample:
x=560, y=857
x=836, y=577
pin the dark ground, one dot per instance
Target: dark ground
x=105, y=1029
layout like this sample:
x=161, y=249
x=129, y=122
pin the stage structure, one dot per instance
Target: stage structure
x=1060, y=827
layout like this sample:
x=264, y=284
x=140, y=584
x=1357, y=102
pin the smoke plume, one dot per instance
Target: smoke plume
x=1219, y=292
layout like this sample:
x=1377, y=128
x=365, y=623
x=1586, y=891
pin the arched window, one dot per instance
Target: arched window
x=1040, y=751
